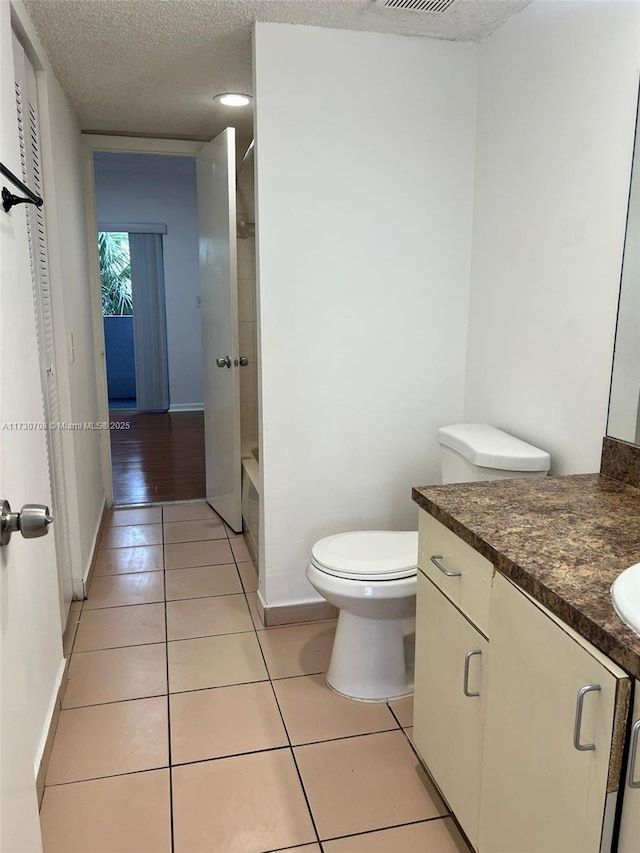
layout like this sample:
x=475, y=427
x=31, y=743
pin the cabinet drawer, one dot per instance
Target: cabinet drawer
x=468, y=585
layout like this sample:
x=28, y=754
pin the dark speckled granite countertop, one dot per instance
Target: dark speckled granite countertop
x=564, y=540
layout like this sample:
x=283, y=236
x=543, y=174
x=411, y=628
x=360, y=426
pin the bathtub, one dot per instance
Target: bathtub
x=251, y=499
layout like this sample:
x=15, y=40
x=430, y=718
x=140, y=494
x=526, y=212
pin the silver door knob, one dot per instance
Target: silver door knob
x=32, y=521
x=243, y=361
x=224, y=362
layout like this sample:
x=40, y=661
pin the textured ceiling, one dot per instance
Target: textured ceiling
x=151, y=67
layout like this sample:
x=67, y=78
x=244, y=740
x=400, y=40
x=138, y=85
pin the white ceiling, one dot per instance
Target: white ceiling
x=151, y=67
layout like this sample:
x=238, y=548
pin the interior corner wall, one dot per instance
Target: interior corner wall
x=364, y=181
x=556, y=116
x=166, y=194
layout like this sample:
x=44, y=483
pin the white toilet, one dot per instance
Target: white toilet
x=371, y=575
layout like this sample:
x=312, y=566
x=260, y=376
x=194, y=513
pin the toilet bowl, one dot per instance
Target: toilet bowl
x=371, y=577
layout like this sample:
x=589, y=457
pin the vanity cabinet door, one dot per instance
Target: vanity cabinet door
x=449, y=702
x=541, y=794
x=629, y=841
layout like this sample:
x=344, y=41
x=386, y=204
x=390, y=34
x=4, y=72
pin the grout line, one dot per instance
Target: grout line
x=385, y=828
x=395, y=716
x=113, y=702
x=290, y=747
x=118, y=648
x=110, y=776
x=166, y=635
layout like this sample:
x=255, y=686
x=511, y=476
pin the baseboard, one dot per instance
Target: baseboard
x=290, y=614
x=186, y=407
x=41, y=763
x=88, y=573
x=251, y=548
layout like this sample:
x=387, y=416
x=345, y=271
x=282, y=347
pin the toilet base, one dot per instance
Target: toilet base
x=369, y=660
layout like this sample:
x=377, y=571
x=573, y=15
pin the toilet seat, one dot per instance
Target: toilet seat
x=374, y=555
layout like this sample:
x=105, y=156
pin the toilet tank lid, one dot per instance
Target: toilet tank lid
x=488, y=447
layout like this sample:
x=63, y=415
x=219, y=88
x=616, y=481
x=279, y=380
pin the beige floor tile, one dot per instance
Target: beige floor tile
x=259, y=805
x=123, y=590
x=403, y=709
x=433, y=836
x=225, y=721
x=114, y=627
x=187, y=555
x=313, y=712
x=240, y=551
x=298, y=649
x=131, y=536
x=252, y=601
x=114, y=675
x=249, y=576
x=391, y=786
x=122, y=814
x=108, y=740
x=215, y=662
x=188, y=511
x=124, y=561
x=409, y=733
x=194, y=531
x=202, y=581
x=206, y=617
x=143, y=515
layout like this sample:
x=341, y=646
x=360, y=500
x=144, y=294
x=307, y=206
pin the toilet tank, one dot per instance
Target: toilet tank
x=472, y=452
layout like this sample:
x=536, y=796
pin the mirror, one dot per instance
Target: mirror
x=624, y=401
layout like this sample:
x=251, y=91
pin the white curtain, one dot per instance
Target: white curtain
x=149, y=322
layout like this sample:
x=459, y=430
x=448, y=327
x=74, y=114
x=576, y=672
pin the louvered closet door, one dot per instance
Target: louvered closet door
x=28, y=128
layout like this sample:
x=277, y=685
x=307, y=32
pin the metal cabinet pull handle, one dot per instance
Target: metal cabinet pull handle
x=583, y=747
x=224, y=361
x=435, y=559
x=465, y=679
x=635, y=731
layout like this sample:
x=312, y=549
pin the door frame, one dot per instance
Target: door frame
x=114, y=145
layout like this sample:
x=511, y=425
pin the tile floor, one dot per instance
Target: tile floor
x=186, y=726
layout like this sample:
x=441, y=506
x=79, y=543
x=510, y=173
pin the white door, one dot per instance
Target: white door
x=25, y=566
x=31, y=174
x=216, y=176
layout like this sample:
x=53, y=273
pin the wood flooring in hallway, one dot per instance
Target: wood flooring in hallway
x=158, y=457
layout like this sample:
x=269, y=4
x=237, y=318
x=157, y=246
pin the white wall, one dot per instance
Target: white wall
x=364, y=147
x=160, y=189
x=556, y=116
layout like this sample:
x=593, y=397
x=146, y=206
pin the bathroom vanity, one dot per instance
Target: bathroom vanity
x=524, y=673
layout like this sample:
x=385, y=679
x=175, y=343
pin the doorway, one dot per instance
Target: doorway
x=172, y=163
x=148, y=251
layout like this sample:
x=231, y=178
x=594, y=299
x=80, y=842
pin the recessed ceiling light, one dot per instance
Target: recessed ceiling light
x=231, y=99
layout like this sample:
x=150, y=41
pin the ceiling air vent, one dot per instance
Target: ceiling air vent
x=417, y=5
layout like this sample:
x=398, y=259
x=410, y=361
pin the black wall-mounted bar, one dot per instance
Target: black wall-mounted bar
x=9, y=199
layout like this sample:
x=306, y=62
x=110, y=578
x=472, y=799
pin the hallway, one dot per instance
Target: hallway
x=187, y=726
x=157, y=456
